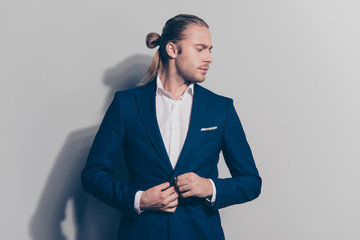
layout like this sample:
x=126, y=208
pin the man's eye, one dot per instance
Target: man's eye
x=199, y=49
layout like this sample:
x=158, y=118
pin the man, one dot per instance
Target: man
x=171, y=131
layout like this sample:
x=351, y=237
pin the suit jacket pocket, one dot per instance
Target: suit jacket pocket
x=209, y=133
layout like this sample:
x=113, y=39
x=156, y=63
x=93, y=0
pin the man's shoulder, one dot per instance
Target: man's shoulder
x=214, y=96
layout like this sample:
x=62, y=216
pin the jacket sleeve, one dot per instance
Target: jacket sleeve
x=97, y=176
x=245, y=183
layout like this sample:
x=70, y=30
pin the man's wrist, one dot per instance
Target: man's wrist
x=212, y=198
x=137, y=202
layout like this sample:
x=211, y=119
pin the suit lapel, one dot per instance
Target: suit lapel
x=147, y=109
x=194, y=126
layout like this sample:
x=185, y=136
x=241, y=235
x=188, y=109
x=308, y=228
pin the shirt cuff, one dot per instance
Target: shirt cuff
x=137, y=202
x=212, y=199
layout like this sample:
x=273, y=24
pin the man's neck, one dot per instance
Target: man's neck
x=173, y=83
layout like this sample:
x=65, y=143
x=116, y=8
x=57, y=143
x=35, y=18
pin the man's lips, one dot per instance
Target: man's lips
x=204, y=69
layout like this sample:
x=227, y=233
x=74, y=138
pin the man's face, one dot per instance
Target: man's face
x=194, y=57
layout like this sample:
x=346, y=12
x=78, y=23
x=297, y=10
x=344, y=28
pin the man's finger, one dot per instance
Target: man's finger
x=173, y=197
x=182, y=182
x=170, y=210
x=163, y=186
x=169, y=197
x=173, y=204
x=186, y=194
x=169, y=191
x=184, y=188
x=182, y=176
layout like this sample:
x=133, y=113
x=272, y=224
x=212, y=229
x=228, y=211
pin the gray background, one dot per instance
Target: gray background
x=292, y=68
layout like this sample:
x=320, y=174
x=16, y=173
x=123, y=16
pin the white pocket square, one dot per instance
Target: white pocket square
x=208, y=129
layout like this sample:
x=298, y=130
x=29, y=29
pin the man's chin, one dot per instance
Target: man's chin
x=197, y=80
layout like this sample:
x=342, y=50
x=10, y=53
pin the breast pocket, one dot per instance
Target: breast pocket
x=209, y=132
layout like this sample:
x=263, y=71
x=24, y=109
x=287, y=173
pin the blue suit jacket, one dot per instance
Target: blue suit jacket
x=130, y=124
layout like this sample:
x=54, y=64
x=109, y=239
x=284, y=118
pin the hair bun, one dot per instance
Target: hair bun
x=152, y=40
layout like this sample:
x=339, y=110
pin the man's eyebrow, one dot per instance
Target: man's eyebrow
x=204, y=46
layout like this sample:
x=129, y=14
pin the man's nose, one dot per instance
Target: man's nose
x=208, y=58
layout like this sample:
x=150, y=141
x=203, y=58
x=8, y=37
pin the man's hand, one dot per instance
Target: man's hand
x=160, y=198
x=192, y=185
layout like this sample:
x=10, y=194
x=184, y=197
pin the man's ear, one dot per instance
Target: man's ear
x=171, y=49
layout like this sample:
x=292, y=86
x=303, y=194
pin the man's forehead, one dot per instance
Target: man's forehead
x=193, y=28
x=198, y=35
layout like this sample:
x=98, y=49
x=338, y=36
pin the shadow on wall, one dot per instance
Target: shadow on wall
x=65, y=211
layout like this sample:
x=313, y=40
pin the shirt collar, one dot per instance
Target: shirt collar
x=160, y=89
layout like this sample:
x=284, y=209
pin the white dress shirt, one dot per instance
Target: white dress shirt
x=173, y=116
